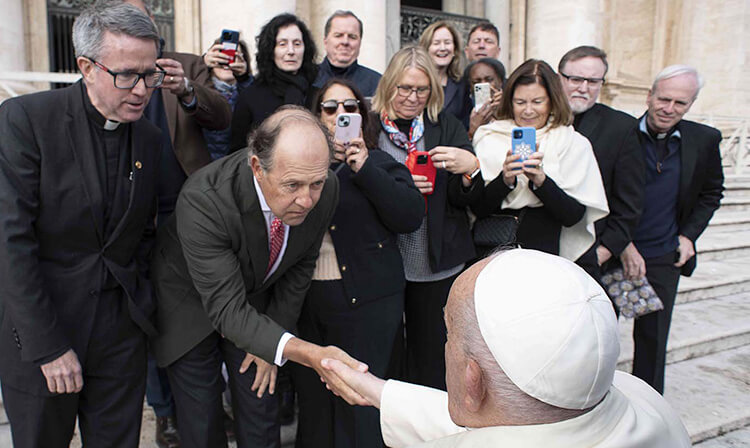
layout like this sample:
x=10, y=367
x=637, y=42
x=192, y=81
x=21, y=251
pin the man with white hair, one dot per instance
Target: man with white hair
x=528, y=363
x=684, y=184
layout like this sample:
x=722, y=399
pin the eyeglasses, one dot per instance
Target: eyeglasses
x=128, y=80
x=406, y=91
x=331, y=106
x=578, y=80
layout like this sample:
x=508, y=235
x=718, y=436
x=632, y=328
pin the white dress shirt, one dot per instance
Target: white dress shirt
x=279, y=359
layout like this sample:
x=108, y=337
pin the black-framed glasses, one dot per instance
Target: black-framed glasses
x=128, y=80
x=578, y=80
x=331, y=106
x=406, y=91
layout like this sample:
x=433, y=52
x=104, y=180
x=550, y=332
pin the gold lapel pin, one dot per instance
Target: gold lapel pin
x=138, y=164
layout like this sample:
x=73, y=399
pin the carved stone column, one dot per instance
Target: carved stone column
x=552, y=28
x=498, y=12
x=373, y=16
x=13, y=50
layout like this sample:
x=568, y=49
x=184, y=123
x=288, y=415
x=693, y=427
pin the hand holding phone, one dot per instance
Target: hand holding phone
x=523, y=142
x=482, y=94
x=419, y=163
x=348, y=127
x=230, y=40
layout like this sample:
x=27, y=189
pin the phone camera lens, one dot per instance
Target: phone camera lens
x=517, y=134
x=343, y=121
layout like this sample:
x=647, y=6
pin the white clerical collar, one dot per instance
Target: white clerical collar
x=111, y=125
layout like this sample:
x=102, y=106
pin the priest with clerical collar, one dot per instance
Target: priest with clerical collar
x=77, y=209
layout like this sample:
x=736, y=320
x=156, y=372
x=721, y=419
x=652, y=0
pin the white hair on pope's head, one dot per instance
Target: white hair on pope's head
x=677, y=70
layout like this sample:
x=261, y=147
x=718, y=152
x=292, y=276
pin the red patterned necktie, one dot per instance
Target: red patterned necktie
x=277, y=240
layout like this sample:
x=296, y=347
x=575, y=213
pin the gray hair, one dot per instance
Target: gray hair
x=115, y=17
x=260, y=143
x=677, y=70
x=341, y=13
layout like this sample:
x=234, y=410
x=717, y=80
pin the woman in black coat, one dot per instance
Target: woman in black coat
x=356, y=299
x=286, y=71
x=408, y=100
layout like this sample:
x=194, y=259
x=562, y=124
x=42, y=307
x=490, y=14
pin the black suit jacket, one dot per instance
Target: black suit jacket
x=211, y=259
x=54, y=253
x=613, y=136
x=701, y=181
x=448, y=236
x=376, y=203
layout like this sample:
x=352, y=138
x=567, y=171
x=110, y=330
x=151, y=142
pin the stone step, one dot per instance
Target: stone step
x=730, y=220
x=735, y=204
x=717, y=243
x=698, y=329
x=715, y=278
x=737, y=190
x=736, y=438
x=711, y=393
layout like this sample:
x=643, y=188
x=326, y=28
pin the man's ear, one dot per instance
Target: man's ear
x=255, y=166
x=86, y=67
x=476, y=389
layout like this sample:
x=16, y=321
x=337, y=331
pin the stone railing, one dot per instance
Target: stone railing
x=415, y=20
x=20, y=83
x=735, y=143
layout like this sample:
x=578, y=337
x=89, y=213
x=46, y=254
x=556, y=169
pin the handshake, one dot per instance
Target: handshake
x=342, y=374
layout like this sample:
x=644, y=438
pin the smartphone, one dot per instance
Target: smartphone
x=482, y=94
x=348, y=127
x=420, y=163
x=230, y=40
x=523, y=142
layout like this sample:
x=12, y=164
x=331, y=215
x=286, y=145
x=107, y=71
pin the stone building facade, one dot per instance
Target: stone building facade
x=640, y=36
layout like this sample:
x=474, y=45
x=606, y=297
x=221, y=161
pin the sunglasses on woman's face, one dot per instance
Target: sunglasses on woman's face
x=331, y=106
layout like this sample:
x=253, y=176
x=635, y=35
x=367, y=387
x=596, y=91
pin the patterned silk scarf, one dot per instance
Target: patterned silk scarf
x=399, y=138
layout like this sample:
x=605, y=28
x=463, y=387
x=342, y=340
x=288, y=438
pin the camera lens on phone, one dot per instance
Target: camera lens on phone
x=517, y=134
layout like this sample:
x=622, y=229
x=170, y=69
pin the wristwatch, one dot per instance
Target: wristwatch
x=470, y=177
x=188, y=87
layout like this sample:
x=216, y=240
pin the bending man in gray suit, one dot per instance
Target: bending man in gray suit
x=232, y=267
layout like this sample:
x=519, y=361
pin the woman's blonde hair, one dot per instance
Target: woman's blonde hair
x=408, y=57
x=455, y=68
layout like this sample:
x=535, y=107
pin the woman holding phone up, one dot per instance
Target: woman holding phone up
x=356, y=299
x=557, y=192
x=408, y=100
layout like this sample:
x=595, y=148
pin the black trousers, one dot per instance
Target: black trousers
x=651, y=332
x=425, y=333
x=367, y=333
x=197, y=385
x=109, y=406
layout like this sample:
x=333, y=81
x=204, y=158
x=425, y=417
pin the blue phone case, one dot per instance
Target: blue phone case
x=523, y=143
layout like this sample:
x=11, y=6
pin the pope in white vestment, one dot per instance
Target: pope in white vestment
x=530, y=364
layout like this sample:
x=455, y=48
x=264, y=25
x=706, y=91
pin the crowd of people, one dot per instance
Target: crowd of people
x=185, y=236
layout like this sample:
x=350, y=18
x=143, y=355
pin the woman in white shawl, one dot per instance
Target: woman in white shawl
x=557, y=193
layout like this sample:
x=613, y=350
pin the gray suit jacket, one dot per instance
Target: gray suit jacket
x=211, y=258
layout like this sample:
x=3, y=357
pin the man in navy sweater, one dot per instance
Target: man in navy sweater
x=684, y=184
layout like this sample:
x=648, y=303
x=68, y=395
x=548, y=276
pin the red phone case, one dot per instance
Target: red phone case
x=421, y=169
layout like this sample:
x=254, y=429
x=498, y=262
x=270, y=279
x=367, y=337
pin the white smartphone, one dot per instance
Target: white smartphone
x=482, y=94
x=348, y=127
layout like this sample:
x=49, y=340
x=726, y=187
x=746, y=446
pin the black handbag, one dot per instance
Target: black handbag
x=496, y=230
